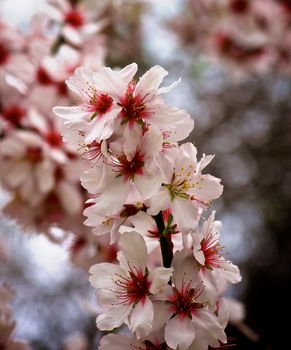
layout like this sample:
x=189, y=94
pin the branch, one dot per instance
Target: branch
x=165, y=240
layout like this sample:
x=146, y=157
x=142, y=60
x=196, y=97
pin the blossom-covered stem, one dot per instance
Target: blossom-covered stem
x=165, y=241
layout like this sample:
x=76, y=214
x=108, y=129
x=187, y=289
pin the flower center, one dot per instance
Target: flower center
x=4, y=54
x=211, y=250
x=34, y=154
x=62, y=88
x=181, y=183
x=74, y=18
x=133, y=108
x=235, y=50
x=184, y=300
x=42, y=77
x=14, y=115
x=129, y=168
x=133, y=288
x=150, y=346
x=92, y=151
x=239, y=6
x=54, y=139
x=98, y=104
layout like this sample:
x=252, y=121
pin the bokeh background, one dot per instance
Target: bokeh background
x=244, y=119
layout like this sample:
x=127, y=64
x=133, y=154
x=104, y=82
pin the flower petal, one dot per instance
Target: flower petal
x=134, y=250
x=113, y=318
x=179, y=332
x=141, y=318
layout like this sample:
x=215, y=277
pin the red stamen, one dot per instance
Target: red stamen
x=133, y=107
x=129, y=168
x=4, y=54
x=92, y=151
x=14, y=115
x=62, y=88
x=43, y=77
x=54, y=138
x=211, y=250
x=150, y=346
x=99, y=104
x=74, y=18
x=34, y=154
x=239, y=6
x=184, y=300
x=133, y=288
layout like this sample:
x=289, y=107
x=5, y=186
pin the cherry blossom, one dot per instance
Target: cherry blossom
x=185, y=190
x=111, y=99
x=125, y=290
x=113, y=180
x=207, y=251
x=187, y=310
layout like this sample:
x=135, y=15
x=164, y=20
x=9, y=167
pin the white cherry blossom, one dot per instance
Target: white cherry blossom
x=185, y=190
x=125, y=290
x=186, y=312
x=207, y=251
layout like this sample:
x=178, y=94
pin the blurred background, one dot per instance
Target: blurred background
x=235, y=64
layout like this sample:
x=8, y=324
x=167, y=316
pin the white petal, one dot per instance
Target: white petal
x=148, y=185
x=118, y=342
x=16, y=174
x=141, y=318
x=159, y=278
x=92, y=179
x=102, y=127
x=158, y=202
x=197, y=251
x=207, y=320
x=11, y=147
x=109, y=81
x=162, y=314
x=185, y=214
x=134, y=250
x=150, y=81
x=185, y=269
x=172, y=119
x=102, y=275
x=113, y=197
x=45, y=176
x=234, y=309
x=152, y=142
x=179, y=332
x=74, y=114
x=208, y=187
x=113, y=318
x=230, y=272
x=132, y=135
x=128, y=72
x=72, y=35
x=70, y=197
x=166, y=89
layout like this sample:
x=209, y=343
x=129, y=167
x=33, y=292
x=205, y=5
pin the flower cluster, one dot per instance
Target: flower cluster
x=246, y=35
x=150, y=196
x=41, y=172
